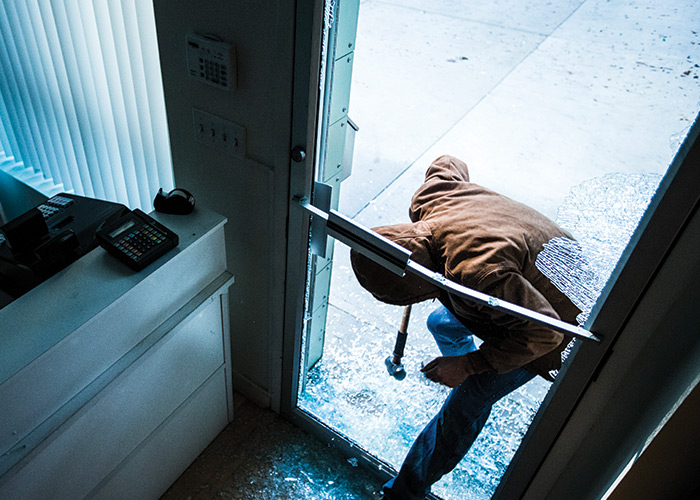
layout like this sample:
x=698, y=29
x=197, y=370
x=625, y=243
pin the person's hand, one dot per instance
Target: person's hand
x=447, y=370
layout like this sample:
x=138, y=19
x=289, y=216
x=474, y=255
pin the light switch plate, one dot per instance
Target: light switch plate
x=219, y=133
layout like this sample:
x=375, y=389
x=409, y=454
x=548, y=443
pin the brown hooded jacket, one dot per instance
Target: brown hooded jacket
x=485, y=241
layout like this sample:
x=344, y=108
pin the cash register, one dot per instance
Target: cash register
x=49, y=237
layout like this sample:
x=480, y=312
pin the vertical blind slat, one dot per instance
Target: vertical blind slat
x=25, y=83
x=42, y=104
x=81, y=96
x=128, y=89
x=54, y=109
x=134, y=55
x=12, y=90
x=66, y=115
x=113, y=165
x=10, y=140
x=83, y=84
x=119, y=116
x=145, y=17
x=81, y=131
x=4, y=139
x=94, y=83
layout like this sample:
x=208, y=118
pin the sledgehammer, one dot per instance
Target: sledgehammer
x=393, y=362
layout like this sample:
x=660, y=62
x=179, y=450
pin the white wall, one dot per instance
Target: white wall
x=251, y=193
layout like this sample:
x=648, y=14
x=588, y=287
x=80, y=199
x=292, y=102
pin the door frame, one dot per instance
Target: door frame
x=646, y=252
x=307, y=100
x=307, y=96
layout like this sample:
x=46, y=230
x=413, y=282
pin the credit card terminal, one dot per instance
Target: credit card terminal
x=136, y=239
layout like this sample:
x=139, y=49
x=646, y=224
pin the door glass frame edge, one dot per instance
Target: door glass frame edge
x=305, y=106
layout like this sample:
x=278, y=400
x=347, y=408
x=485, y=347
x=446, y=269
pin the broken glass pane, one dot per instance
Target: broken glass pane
x=602, y=214
x=351, y=390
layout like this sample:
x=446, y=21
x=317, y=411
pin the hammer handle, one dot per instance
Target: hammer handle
x=404, y=320
x=402, y=335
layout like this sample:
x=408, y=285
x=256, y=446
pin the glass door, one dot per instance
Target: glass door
x=573, y=141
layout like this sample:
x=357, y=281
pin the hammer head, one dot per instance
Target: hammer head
x=396, y=370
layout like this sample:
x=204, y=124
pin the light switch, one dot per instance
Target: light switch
x=219, y=133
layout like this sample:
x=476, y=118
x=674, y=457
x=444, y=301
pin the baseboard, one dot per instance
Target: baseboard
x=250, y=390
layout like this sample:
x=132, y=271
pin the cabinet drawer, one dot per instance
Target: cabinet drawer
x=171, y=448
x=89, y=445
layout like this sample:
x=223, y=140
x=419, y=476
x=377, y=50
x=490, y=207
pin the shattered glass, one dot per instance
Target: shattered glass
x=602, y=214
x=350, y=390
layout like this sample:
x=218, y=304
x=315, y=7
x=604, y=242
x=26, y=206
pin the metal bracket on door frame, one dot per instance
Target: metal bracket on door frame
x=326, y=222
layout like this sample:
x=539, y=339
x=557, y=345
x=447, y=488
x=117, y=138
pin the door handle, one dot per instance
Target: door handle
x=298, y=154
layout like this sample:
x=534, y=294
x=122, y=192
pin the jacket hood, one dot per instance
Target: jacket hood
x=388, y=287
x=445, y=176
x=449, y=169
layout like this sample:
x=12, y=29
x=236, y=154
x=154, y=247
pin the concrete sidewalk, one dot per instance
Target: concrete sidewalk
x=535, y=98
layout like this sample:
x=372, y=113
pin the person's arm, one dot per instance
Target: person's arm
x=516, y=341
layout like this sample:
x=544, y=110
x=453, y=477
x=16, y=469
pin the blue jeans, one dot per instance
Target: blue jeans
x=448, y=436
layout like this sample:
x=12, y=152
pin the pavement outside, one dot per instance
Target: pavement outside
x=536, y=97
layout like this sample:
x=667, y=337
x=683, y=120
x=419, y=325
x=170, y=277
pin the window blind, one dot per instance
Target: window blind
x=81, y=99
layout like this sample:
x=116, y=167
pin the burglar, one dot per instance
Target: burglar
x=488, y=242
